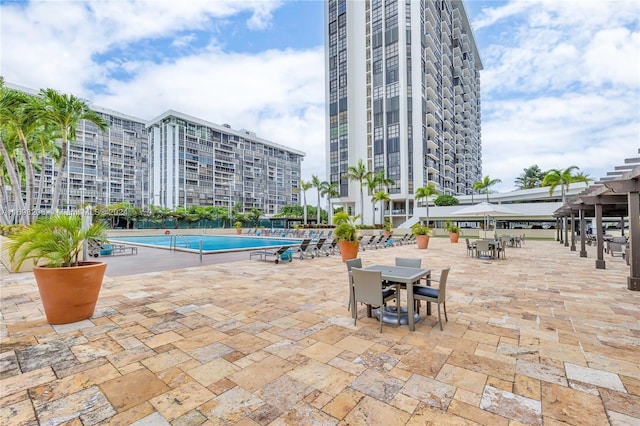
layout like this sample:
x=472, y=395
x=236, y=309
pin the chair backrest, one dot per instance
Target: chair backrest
x=353, y=263
x=305, y=243
x=442, y=288
x=408, y=262
x=367, y=286
x=482, y=245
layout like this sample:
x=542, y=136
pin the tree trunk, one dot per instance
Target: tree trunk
x=15, y=185
x=58, y=182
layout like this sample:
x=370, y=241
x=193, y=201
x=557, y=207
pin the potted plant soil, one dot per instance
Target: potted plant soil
x=69, y=287
x=422, y=233
x=346, y=234
x=453, y=230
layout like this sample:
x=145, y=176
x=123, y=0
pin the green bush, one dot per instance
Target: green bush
x=446, y=200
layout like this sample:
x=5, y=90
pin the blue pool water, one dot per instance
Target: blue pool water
x=210, y=243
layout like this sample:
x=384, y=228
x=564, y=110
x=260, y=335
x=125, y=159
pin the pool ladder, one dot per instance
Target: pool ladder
x=174, y=242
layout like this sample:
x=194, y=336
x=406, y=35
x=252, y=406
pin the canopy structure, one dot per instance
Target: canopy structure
x=616, y=195
x=486, y=210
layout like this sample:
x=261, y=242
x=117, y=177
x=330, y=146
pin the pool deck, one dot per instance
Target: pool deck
x=539, y=338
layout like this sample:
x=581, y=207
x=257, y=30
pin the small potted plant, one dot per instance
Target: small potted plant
x=453, y=230
x=422, y=233
x=387, y=227
x=69, y=287
x=238, y=226
x=346, y=234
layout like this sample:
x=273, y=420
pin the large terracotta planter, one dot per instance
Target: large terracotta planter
x=238, y=231
x=423, y=241
x=348, y=250
x=70, y=294
x=453, y=237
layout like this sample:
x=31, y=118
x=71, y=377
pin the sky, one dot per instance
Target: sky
x=560, y=84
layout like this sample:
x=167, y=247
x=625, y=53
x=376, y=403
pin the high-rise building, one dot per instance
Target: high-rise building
x=403, y=95
x=174, y=160
x=196, y=162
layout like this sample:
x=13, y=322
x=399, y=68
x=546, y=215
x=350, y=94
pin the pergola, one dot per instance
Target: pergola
x=616, y=195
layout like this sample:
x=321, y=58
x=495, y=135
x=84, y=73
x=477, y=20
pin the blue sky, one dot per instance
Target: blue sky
x=560, y=85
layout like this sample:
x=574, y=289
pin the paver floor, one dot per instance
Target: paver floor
x=539, y=338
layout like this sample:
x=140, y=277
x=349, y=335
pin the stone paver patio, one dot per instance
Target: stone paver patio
x=539, y=338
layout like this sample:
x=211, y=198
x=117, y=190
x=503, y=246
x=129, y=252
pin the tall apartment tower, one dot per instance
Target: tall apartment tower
x=198, y=163
x=403, y=92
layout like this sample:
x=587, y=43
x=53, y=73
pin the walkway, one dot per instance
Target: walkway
x=539, y=338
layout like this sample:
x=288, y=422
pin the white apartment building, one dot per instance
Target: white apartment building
x=403, y=95
x=196, y=162
x=174, y=160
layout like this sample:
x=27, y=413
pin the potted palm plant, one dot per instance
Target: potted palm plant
x=238, y=226
x=69, y=287
x=387, y=227
x=453, y=230
x=422, y=233
x=346, y=234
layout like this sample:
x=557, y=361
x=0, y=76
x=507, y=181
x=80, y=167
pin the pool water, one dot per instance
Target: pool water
x=210, y=243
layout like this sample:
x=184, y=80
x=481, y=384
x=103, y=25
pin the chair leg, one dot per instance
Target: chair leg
x=444, y=306
x=439, y=320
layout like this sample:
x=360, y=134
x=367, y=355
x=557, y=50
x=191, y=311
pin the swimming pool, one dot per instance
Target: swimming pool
x=210, y=243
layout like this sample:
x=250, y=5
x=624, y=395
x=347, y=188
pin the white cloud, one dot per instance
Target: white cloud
x=563, y=89
x=560, y=86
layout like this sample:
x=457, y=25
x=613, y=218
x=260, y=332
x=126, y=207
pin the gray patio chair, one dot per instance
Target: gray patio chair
x=501, y=249
x=436, y=295
x=482, y=249
x=471, y=247
x=367, y=288
x=352, y=263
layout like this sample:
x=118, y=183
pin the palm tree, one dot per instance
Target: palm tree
x=16, y=121
x=531, y=177
x=425, y=192
x=383, y=197
x=304, y=187
x=484, y=185
x=555, y=177
x=65, y=112
x=317, y=184
x=372, y=182
x=359, y=173
x=329, y=190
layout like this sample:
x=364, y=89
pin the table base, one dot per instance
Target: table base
x=390, y=315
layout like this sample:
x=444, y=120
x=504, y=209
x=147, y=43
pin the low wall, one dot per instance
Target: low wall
x=27, y=265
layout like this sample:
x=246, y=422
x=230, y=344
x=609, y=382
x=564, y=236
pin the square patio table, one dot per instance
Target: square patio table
x=402, y=275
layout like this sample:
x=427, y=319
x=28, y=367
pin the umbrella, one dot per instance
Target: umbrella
x=484, y=209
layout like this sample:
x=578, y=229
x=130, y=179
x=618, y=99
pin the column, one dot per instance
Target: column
x=633, y=282
x=583, y=236
x=600, y=263
x=573, y=231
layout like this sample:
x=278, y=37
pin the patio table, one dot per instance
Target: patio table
x=397, y=275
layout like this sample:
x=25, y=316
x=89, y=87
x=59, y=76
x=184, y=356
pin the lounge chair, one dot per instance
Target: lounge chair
x=317, y=246
x=367, y=242
x=305, y=248
x=277, y=253
x=329, y=247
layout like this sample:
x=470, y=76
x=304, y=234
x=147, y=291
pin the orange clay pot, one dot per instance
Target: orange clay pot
x=70, y=294
x=423, y=241
x=348, y=250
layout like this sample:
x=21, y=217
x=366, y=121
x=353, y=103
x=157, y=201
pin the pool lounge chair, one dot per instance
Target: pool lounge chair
x=277, y=253
x=306, y=248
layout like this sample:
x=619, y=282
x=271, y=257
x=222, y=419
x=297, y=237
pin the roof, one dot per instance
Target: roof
x=610, y=192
